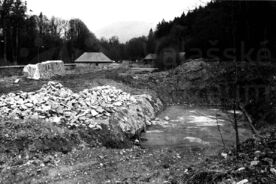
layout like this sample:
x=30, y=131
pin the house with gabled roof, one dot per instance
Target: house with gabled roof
x=93, y=60
x=150, y=59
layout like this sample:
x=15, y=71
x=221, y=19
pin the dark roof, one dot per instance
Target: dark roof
x=150, y=57
x=93, y=57
x=181, y=54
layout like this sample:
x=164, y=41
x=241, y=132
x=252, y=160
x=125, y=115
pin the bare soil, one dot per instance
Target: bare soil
x=76, y=82
x=95, y=164
x=162, y=157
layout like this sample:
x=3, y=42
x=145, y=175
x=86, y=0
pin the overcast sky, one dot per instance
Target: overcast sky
x=112, y=17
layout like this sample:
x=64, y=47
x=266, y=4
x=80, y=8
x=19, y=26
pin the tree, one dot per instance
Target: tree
x=13, y=14
x=211, y=27
x=5, y=15
x=80, y=36
x=18, y=16
x=136, y=48
x=58, y=27
x=114, y=48
x=151, y=42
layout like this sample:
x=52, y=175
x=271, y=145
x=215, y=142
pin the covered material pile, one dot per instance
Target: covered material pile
x=44, y=70
x=60, y=105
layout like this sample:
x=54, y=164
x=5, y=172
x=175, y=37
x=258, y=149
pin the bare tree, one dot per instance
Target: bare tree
x=58, y=27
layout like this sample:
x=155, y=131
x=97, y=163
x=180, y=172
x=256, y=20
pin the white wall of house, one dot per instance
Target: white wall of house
x=92, y=66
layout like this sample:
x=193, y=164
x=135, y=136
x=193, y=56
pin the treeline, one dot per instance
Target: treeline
x=219, y=31
x=29, y=38
x=134, y=49
x=225, y=30
x=32, y=38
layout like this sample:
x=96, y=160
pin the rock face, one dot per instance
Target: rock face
x=44, y=70
x=88, y=108
x=134, y=118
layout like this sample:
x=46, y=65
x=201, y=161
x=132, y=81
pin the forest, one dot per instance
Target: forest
x=221, y=30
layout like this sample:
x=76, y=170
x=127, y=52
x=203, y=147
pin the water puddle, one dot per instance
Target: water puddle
x=184, y=128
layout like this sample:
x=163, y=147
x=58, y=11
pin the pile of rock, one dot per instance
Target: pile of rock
x=58, y=104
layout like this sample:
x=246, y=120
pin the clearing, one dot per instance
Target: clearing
x=179, y=139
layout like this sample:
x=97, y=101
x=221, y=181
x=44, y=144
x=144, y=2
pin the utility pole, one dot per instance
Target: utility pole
x=235, y=105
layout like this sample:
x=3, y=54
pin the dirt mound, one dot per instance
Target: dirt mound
x=198, y=82
x=190, y=71
x=186, y=84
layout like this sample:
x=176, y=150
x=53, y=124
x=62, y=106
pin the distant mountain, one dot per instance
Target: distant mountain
x=126, y=30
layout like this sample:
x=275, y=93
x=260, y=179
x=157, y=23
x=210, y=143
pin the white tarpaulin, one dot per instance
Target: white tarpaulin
x=44, y=70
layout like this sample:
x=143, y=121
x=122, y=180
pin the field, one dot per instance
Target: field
x=40, y=152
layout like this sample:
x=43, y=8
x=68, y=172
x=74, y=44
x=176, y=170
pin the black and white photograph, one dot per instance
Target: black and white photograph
x=137, y=92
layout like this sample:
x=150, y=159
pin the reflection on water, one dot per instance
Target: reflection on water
x=196, y=140
x=205, y=120
x=192, y=128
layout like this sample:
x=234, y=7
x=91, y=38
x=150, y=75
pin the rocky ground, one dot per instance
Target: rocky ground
x=52, y=149
x=101, y=165
x=39, y=124
x=56, y=104
x=255, y=163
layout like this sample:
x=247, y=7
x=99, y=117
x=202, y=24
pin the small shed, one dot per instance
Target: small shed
x=182, y=57
x=150, y=59
x=94, y=60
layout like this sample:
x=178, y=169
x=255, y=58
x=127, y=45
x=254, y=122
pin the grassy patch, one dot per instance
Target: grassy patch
x=21, y=141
